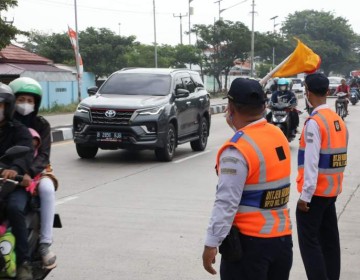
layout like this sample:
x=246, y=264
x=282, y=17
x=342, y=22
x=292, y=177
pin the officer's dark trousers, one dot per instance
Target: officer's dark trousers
x=263, y=259
x=319, y=239
x=16, y=210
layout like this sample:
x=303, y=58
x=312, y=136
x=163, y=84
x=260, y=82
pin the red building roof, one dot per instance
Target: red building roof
x=15, y=54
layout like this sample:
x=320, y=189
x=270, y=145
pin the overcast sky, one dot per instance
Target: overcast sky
x=135, y=17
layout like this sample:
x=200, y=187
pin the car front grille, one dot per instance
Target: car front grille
x=104, y=116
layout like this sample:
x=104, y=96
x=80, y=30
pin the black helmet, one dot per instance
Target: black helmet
x=7, y=97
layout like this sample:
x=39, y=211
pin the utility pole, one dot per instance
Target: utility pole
x=180, y=16
x=218, y=1
x=252, y=41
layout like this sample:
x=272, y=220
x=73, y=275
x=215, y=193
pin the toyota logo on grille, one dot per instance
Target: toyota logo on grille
x=110, y=113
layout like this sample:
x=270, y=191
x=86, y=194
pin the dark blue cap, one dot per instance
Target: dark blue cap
x=246, y=91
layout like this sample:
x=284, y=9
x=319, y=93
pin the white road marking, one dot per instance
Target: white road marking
x=66, y=199
x=190, y=157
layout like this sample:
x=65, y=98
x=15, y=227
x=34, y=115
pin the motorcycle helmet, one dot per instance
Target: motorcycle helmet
x=27, y=86
x=283, y=84
x=7, y=97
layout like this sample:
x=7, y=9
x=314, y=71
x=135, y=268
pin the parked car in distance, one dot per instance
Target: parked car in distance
x=334, y=82
x=298, y=85
x=144, y=108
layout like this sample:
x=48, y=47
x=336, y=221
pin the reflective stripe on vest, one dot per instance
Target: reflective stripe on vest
x=333, y=157
x=263, y=211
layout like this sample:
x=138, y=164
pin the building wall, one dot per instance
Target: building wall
x=61, y=89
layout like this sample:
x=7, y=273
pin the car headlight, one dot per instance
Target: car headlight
x=82, y=109
x=151, y=111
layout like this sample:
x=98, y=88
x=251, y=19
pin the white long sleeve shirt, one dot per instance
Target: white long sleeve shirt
x=232, y=177
x=312, y=156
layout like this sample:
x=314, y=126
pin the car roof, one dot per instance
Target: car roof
x=165, y=71
x=335, y=79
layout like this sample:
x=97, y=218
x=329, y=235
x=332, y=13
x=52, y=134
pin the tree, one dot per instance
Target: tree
x=224, y=42
x=7, y=31
x=102, y=51
x=56, y=46
x=332, y=38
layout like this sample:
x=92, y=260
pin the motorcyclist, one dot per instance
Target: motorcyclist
x=285, y=95
x=343, y=87
x=28, y=94
x=14, y=133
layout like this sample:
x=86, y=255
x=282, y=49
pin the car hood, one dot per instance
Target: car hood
x=115, y=101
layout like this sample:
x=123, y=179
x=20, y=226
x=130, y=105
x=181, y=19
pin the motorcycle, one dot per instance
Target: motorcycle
x=281, y=117
x=7, y=264
x=340, y=104
x=354, y=96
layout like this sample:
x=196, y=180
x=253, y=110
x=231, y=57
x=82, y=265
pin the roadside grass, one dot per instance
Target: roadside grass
x=58, y=109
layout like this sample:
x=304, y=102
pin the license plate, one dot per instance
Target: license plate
x=280, y=113
x=104, y=136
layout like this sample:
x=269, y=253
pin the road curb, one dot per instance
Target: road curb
x=66, y=133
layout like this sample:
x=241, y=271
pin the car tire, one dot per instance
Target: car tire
x=200, y=144
x=85, y=151
x=167, y=152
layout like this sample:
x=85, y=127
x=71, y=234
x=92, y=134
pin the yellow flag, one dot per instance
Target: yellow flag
x=302, y=60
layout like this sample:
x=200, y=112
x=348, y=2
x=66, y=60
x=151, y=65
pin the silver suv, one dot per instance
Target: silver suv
x=144, y=108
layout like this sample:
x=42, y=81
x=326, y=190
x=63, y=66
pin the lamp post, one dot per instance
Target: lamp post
x=273, y=50
x=252, y=41
x=222, y=10
x=119, y=28
x=155, y=44
x=191, y=12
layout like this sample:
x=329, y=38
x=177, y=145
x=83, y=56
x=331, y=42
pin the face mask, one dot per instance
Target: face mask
x=2, y=116
x=24, y=108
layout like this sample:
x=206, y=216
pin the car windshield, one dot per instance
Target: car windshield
x=296, y=81
x=137, y=84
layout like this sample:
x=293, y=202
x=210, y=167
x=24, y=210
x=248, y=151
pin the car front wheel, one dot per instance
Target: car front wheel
x=86, y=151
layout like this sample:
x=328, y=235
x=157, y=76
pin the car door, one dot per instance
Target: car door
x=191, y=118
x=201, y=97
x=181, y=106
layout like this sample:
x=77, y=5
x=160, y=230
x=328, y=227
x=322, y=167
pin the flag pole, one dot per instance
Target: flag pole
x=77, y=55
x=272, y=72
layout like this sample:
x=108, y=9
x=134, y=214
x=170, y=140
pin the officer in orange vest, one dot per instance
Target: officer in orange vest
x=250, y=220
x=322, y=159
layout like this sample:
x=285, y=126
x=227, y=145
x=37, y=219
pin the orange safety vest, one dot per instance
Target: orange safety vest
x=263, y=211
x=333, y=153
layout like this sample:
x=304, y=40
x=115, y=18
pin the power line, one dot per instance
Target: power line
x=98, y=8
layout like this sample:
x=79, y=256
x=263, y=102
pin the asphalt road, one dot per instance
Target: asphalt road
x=127, y=216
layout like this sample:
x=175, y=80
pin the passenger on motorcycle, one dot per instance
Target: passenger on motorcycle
x=14, y=133
x=28, y=94
x=285, y=95
x=346, y=89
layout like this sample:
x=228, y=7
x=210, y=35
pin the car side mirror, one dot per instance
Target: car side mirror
x=92, y=90
x=181, y=93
